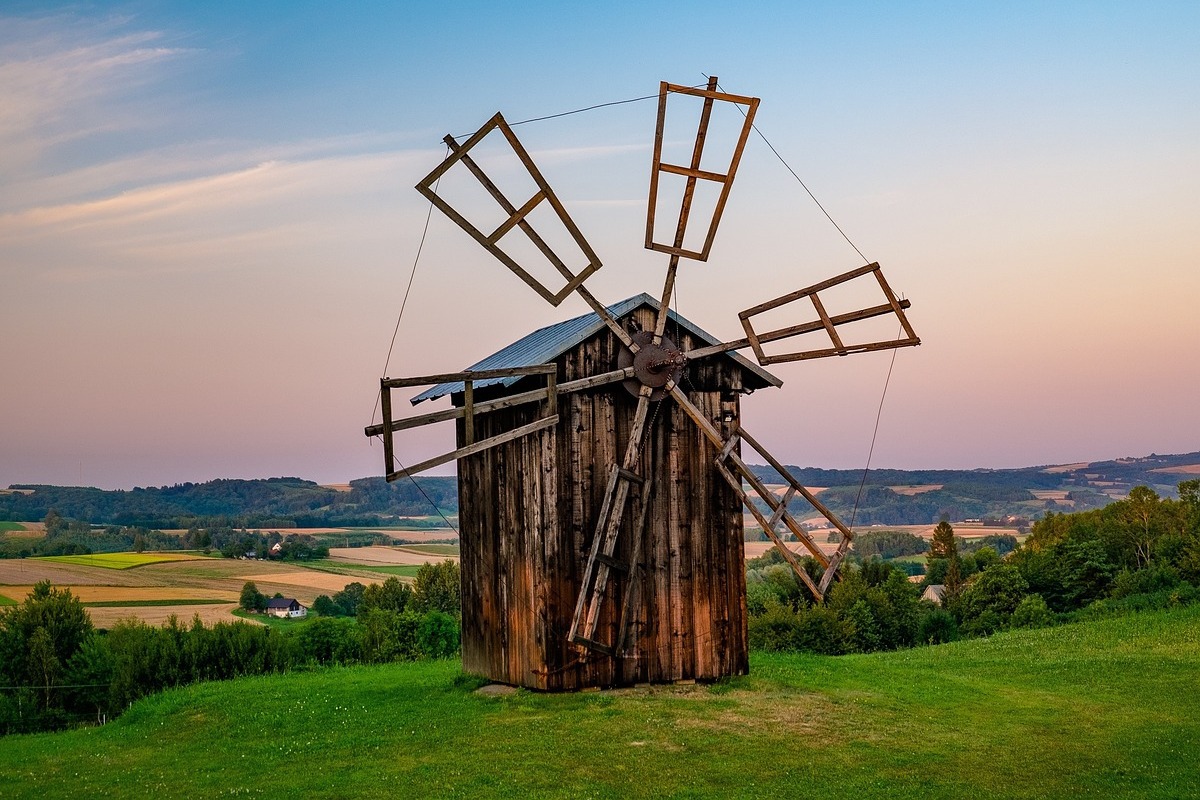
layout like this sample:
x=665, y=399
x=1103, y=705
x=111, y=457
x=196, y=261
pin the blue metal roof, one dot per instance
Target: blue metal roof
x=545, y=344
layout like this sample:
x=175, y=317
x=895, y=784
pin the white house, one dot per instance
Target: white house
x=286, y=607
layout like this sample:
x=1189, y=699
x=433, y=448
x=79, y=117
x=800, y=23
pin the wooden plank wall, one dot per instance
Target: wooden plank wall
x=528, y=515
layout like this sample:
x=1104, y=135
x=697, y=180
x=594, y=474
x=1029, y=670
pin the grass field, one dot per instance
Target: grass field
x=5, y=527
x=7, y=601
x=168, y=601
x=345, y=567
x=119, y=560
x=1103, y=709
x=433, y=549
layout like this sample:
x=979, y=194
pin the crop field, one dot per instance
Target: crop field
x=384, y=555
x=154, y=591
x=119, y=560
x=1100, y=709
x=443, y=550
x=367, y=572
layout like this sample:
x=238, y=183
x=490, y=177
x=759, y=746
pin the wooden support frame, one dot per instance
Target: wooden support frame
x=389, y=426
x=734, y=470
x=826, y=322
x=693, y=172
x=517, y=215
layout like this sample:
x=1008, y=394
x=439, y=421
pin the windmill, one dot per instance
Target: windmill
x=602, y=535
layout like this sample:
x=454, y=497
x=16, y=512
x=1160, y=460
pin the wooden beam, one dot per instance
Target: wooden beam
x=503, y=402
x=463, y=452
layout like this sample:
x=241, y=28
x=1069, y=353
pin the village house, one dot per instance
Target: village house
x=286, y=607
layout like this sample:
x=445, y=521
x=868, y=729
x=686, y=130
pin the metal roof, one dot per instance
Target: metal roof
x=545, y=344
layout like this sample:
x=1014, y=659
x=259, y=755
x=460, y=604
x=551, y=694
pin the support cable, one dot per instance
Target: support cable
x=804, y=186
x=874, y=433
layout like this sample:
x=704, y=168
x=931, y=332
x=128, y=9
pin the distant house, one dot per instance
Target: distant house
x=286, y=607
x=934, y=593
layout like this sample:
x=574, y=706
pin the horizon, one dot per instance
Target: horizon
x=208, y=225
x=346, y=482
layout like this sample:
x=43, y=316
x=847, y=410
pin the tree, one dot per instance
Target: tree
x=988, y=601
x=391, y=595
x=38, y=638
x=350, y=597
x=325, y=607
x=1140, y=511
x=437, y=588
x=251, y=598
x=944, y=546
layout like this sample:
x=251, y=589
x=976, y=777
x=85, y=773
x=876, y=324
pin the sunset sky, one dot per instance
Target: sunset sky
x=207, y=220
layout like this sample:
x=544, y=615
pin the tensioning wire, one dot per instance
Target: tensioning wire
x=587, y=108
x=803, y=185
x=887, y=380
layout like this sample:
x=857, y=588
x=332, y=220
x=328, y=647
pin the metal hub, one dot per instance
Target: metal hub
x=654, y=365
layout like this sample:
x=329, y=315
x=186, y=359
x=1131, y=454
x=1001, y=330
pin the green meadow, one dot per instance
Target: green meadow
x=1101, y=709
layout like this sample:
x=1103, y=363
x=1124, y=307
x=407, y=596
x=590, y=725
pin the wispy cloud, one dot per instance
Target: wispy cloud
x=202, y=223
x=58, y=76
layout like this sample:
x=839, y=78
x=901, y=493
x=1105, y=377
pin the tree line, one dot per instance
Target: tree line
x=266, y=503
x=1135, y=554
x=57, y=670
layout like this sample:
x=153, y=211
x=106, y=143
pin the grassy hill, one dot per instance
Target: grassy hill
x=1107, y=709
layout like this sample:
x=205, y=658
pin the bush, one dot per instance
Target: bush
x=1144, y=581
x=810, y=629
x=1032, y=612
x=937, y=627
x=438, y=635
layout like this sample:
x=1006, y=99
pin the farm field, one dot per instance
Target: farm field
x=414, y=556
x=1103, y=709
x=120, y=560
x=146, y=591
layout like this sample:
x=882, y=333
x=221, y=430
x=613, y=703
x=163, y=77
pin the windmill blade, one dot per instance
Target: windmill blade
x=693, y=172
x=518, y=219
x=734, y=470
x=826, y=322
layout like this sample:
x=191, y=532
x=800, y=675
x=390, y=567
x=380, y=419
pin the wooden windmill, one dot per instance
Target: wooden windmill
x=601, y=477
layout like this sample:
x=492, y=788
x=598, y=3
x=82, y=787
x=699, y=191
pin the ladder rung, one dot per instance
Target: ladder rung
x=632, y=477
x=592, y=644
x=611, y=562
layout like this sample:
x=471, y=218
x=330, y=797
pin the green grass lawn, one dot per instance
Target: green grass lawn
x=283, y=623
x=1103, y=709
x=7, y=601
x=11, y=526
x=117, y=560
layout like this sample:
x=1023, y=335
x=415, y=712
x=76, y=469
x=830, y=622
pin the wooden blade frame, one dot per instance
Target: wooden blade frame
x=548, y=418
x=693, y=172
x=828, y=323
x=517, y=214
x=734, y=470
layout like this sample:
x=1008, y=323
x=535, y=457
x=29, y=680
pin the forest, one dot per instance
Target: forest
x=954, y=495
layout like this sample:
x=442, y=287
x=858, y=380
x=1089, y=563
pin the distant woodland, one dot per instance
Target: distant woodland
x=887, y=497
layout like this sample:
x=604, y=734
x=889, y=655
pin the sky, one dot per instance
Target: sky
x=208, y=225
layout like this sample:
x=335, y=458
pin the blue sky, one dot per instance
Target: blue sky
x=207, y=221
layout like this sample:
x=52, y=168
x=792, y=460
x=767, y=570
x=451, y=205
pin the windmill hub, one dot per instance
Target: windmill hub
x=654, y=365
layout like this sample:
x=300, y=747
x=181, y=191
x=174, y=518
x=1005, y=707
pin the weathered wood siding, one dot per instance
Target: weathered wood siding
x=528, y=513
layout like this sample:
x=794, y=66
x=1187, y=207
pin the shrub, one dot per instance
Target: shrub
x=937, y=627
x=1032, y=612
x=438, y=635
